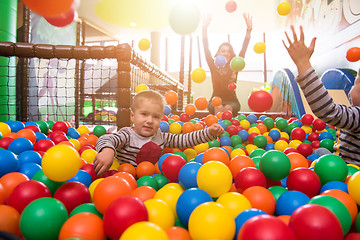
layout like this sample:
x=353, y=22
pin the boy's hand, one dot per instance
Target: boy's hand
x=216, y=129
x=298, y=51
x=103, y=161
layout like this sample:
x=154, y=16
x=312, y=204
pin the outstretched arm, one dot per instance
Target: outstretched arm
x=206, y=23
x=248, y=21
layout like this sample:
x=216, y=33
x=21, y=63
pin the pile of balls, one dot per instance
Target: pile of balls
x=263, y=178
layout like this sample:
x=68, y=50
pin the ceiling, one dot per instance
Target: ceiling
x=133, y=19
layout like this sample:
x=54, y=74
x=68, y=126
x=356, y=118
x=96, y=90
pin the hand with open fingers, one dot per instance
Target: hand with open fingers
x=206, y=20
x=216, y=129
x=248, y=21
x=103, y=161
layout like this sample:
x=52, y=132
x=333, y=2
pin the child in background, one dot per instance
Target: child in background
x=321, y=103
x=144, y=141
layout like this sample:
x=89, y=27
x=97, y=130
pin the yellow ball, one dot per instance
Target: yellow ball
x=254, y=130
x=170, y=195
x=234, y=202
x=114, y=165
x=237, y=152
x=294, y=143
x=283, y=8
x=61, y=162
x=83, y=129
x=284, y=135
x=198, y=75
x=307, y=129
x=93, y=186
x=353, y=187
x=281, y=145
x=160, y=213
x=313, y=163
x=250, y=147
x=144, y=231
x=215, y=178
x=190, y=153
x=353, y=165
x=141, y=87
x=211, y=220
x=76, y=143
x=259, y=47
x=144, y=44
x=175, y=128
x=202, y=147
x=245, y=124
x=4, y=128
x=89, y=155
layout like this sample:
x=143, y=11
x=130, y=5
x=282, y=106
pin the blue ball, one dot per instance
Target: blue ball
x=167, y=110
x=199, y=158
x=73, y=133
x=8, y=162
x=246, y=215
x=334, y=185
x=222, y=124
x=188, y=201
x=299, y=123
x=251, y=118
x=29, y=169
x=325, y=135
x=82, y=176
x=15, y=126
x=274, y=134
x=31, y=123
x=313, y=157
x=269, y=146
x=263, y=117
x=225, y=141
x=289, y=201
x=283, y=182
x=20, y=145
x=188, y=174
x=220, y=61
x=164, y=126
x=161, y=160
x=180, y=122
x=40, y=136
x=29, y=156
x=244, y=135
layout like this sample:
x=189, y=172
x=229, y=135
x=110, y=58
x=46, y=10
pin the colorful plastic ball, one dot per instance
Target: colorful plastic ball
x=335, y=206
x=244, y=216
x=289, y=201
x=353, y=54
x=43, y=145
x=122, y=213
x=190, y=109
x=225, y=141
x=283, y=8
x=353, y=187
x=220, y=61
x=318, y=125
x=89, y=155
x=8, y=161
x=259, y=47
x=248, y=177
x=171, y=167
x=86, y=207
x=234, y=202
x=244, y=135
x=98, y=130
x=29, y=169
x=52, y=185
x=304, y=180
x=144, y=44
x=10, y=180
x=305, y=149
x=260, y=198
x=216, y=154
x=330, y=168
x=164, y=126
x=178, y=233
x=187, y=175
x=277, y=191
x=144, y=230
x=43, y=210
x=171, y=97
x=26, y=133
x=170, y=194
x=184, y=18
x=339, y=185
x=237, y=63
x=327, y=143
x=232, y=86
x=198, y=75
x=61, y=163
x=265, y=227
x=260, y=141
x=160, y=213
x=4, y=128
x=201, y=103
x=60, y=126
x=211, y=220
x=230, y=6
x=9, y=222
x=167, y=110
x=147, y=181
x=275, y=165
x=145, y=168
x=83, y=177
x=20, y=145
x=260, y=101
x=15, y=126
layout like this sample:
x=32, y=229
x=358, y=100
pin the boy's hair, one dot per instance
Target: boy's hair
x=147, y=95
x=226, y=44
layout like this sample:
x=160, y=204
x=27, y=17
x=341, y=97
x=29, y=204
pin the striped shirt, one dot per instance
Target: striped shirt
x=127, y=144
x=338, y=115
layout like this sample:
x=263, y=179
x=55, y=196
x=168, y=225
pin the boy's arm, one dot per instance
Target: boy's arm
x=248, y=21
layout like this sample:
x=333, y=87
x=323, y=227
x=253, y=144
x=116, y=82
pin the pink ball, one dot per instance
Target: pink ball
x=307, y=119
x=230, y=6
x=298, y=134
x=260, y=101
x=304, y=149
x=304, y=180
x=122, y=213
x=249, y=177
x=171, y=167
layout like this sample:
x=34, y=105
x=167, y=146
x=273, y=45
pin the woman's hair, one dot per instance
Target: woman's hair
x=148, y=95
x=228, y=45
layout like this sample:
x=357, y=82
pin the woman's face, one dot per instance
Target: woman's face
x=225, y=51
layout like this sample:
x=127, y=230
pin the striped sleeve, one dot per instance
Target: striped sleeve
x=324, y=107
x=189, y=139
x=113, y=141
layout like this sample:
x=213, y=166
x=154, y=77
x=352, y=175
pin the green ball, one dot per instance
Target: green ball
x=99, y=130
x=193, y=121
x=281, y=123
x=237, y=63
x=52, y=185
x=257, y=153
x=276, y=191
x=42, y=219
x=352, y=170
x=240, y=146
x=291, y=127
x=214, y=143
x=328, y=144
x=241, y=117
x=225, y=134
x=253, y=125
x=269, y=123
x=50, y=124
x=357, y=223
x=256, y=160
x=275, y=165
x=306, y=141
x=86, y=207
x=235, y=140
x=331, y=168
x=227, y=122
x=170, y=121
x=147, y=181
x=44, y=127
x=260, y=141
x=161, y=180
x=181, y=154
x=335, y=206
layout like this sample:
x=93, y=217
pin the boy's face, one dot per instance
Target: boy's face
x=146, y=118
x=355, y=92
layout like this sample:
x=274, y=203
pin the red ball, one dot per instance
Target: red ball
x=252, y=136
x=83, y=148
x=283, y=138
x=249, y=177
x=232, y=86
x=227, y=115
x=353, y=54
x=171, y=167
x=89, y=167
x=292, y=119
x=289, y=150
x=307, y=119
x=235, y=122
x=33, y=128
x=298, y=134
x=315, y=144
x=73, y=194
x=122, y=213
x=318, y=125
x=43, y=145
x=312, y=221
x=4, y=142
x=267, y=227
x=304, y=180
x=260, y=101
x=313, y=136
x=60, y=126
x=304, y=149
x=26, y=192
x=185, y=117
x=230, y=6
x=232, y=130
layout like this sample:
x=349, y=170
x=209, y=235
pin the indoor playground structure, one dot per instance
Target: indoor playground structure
x=274, y=174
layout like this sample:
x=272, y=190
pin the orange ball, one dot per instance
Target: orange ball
x=127, y=167
x=171, y=97
x=239, y=162
x=216, y=154
x=144, y=193
x=260, y=198
x=11, y=135
x=83, y=141
x=84, y=225
x=175, y=117
x=198, y=126
x=26, y=133
x=128, y=177
x=108, y=190
x=92, y=139
x=284, y=218
x=187, y=127
x=210, y=120
x=9, y=220
x=269, y=139
x=190, y=109
x=262, y=128
x=178, y=233
x=216, y=101
x=145, y=168
x=219, y=115
x=227, y=148
x=201, y=103
x=3, y=194
x=297, y=160
x=11, y=180
x=157, y=168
